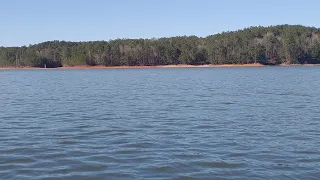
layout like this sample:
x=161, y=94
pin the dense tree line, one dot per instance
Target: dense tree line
x=290, y=44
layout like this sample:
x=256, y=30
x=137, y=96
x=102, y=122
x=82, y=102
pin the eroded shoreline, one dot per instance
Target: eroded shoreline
x=139, y=67
x=154, y=67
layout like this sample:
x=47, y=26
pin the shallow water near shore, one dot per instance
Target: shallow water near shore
x=194, y=123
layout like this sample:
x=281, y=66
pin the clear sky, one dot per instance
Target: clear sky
x=25, y=22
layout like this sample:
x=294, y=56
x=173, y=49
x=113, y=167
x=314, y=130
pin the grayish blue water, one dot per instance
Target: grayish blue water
x=207, y=123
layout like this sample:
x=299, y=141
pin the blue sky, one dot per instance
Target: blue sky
x=25, y=22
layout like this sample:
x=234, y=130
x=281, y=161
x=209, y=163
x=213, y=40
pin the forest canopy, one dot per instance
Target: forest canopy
x=283, y=44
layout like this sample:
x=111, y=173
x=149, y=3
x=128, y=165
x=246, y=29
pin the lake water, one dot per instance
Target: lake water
x=206, y=123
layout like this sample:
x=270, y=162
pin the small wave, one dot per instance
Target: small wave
x=18, y=160
x=219, y=164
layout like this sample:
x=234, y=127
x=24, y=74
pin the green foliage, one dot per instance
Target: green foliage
x=267, y=45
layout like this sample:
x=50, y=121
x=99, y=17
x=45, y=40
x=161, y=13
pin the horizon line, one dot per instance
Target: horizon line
x=157, y=38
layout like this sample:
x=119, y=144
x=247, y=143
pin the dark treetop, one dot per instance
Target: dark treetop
x=289, y=44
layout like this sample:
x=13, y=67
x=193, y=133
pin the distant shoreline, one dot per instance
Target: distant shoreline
x=154, y=67
x=140, y=67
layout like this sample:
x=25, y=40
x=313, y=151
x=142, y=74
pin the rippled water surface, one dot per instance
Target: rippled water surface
x=208, y=123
